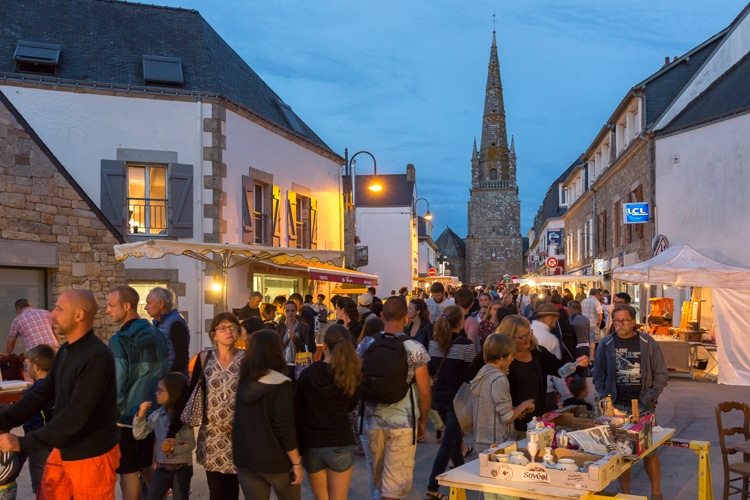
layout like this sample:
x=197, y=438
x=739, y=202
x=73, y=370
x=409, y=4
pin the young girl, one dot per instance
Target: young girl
x=173, y=470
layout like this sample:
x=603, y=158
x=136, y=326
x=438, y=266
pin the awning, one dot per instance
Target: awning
x=341, y=275
x=156, y=249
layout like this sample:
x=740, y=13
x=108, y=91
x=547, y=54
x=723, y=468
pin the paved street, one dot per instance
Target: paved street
x=686, y=405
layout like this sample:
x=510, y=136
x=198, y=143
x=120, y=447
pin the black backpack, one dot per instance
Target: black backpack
x=384, y=369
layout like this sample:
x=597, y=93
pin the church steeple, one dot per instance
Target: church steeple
x=493, y=151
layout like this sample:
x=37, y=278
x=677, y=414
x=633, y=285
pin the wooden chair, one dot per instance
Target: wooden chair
x=732, y=413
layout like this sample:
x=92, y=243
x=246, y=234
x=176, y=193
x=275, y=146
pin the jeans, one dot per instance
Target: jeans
x=37, y=461
x=257, y=485
x=8, y=492
x=164, y=479
x=450, y=447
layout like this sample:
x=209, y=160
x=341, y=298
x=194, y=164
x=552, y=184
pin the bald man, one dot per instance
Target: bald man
x=83, y=434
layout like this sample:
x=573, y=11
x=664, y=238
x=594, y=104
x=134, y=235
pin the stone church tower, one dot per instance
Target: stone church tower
x=494, y=244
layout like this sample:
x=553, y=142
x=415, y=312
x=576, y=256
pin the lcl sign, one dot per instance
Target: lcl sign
x=635, y=213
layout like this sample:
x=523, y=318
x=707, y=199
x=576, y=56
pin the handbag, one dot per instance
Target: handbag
x=463, y=407
x=195, y=408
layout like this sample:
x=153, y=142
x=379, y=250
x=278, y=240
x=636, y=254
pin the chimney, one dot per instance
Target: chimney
x=411, y=175
x=666, y=61
x=675, y=58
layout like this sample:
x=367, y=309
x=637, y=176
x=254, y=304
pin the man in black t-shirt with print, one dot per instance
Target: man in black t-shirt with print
x=630, y=365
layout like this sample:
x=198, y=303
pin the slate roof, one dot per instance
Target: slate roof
x=397, y=191
x=450, y=245
x=103, y=43
x=663, y=86
x=728, y=95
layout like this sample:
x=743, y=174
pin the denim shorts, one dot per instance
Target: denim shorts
x=335, y=458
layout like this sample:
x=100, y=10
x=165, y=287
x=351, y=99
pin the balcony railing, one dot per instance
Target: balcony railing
x=495, y=185
x=147, y=216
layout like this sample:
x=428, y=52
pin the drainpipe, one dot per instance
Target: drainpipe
x=198, y=206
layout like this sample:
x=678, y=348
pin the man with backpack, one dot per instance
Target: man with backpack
x=397, y=397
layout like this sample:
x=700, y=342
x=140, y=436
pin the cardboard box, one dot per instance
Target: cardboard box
x=603, y=471
x=636, y=439
x=690, y=336
x=568, y=420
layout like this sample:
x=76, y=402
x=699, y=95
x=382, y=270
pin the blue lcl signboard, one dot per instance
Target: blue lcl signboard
x=636, y=213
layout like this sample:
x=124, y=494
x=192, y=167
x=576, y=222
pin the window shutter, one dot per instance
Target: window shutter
x=291, y=213
x=276, y=216
x=113, y=192
x=180, y=200
x=248, y=189
x=604, y=231
x=313, y=223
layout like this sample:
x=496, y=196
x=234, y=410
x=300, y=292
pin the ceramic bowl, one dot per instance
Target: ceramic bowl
x=567, y=464
x=518, y=458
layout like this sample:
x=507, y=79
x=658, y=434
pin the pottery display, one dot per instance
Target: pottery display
x=518, y=458
x=549, y=457
x=562, y=439
x=567, y=464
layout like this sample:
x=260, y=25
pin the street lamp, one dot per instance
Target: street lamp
x=350, y=222
x=428, y=215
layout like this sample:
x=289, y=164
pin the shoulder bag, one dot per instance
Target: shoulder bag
x=195, y=408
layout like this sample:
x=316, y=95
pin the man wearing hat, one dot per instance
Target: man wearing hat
x=364, y=302
x=544, y=321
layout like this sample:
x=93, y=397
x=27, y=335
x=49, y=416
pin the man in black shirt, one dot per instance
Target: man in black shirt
x=252, y=308
x=83, y=434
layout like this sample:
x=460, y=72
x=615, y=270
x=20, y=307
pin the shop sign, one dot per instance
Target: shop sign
x=635, y=213
x=554, y=236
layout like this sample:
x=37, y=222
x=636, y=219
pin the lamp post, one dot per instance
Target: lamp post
x=350, y=221
x=428, y=215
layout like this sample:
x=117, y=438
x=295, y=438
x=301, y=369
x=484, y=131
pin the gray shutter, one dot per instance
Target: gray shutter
x=180, y=200
x=113, y=192
x=248, y=188
x=276, y=217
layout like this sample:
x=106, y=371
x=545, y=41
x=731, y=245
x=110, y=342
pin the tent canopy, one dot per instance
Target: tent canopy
x=156, y=249
x=684, y=266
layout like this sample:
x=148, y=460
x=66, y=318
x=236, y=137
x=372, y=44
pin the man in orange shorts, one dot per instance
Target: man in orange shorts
x=83, y=434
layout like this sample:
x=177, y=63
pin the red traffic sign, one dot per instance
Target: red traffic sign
x=551, y=263
x=431, y=272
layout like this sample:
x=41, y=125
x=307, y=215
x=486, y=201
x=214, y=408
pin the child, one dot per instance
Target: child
x=37, y=363
x=580, y=391
x=174, y=467
x=493, y=409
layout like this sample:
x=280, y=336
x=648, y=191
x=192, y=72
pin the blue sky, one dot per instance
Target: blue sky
x=405, y=80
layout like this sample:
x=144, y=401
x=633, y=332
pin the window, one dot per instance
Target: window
x=147, y=199
x=563, y=196
x=254, y=212
x=34, y=57
x=618, y=223
x=140, y=198
x=291, y=118
x=162, y=70
x=302, y=221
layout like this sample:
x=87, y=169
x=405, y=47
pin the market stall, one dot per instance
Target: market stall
x=683, y=266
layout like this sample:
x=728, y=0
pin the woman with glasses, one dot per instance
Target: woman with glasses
x=220, y=366
x=295, y=336
x=529, y=369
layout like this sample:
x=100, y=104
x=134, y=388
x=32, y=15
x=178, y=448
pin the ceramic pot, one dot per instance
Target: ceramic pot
x=518, y=458
x=567, y=464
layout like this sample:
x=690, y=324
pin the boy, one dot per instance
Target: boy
x=37, y=363
x=580, y=391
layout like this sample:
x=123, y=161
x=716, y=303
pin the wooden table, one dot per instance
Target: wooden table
x=467, y=477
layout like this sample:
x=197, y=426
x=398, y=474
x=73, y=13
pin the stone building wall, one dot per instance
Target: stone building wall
x=39, y=204
x=576, y=218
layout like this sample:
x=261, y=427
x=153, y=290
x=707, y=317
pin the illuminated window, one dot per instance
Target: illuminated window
x=147, y=199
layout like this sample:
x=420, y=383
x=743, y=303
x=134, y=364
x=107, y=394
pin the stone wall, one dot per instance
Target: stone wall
x=38, y=204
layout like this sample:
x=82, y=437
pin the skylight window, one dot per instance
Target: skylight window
x=35, y=57
x=162, y=70
x=291, y=118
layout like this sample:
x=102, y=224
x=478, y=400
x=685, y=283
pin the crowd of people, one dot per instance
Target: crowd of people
x=265, y=420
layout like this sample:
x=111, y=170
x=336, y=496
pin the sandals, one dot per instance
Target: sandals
x=469, y=451
x=435, y=495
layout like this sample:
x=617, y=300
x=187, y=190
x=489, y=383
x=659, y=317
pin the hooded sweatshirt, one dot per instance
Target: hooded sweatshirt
x=322, y=408
x=492, y=406
x=264, y=430
x=141, y=358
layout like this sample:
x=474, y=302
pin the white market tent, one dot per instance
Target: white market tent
x=730, y=290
